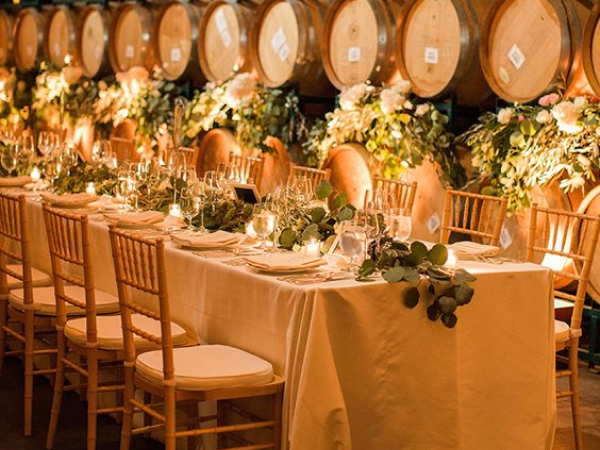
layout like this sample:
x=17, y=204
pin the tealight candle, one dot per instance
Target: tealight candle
x=452, y=261
x=35, y=174
x=312, y=248
x=175, y=210
x=91, y=188
x=250, y=230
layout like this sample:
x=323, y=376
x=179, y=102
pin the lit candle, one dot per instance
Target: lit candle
x=312, y=248
x=35, y=174
x=452, y=261
x=91, y=188
x=175, y=210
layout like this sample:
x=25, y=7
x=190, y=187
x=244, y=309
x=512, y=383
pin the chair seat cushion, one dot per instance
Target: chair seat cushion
x=110, y=332
x=39, y=278
x=561, y=331
x=44, y=302
x=205, y=367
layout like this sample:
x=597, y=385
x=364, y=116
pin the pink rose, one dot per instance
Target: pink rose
x=549, y=99
x=521, y=117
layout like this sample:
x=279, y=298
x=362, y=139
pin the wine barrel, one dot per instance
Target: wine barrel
x=285, y=48
x=591, y=206
x=359, y=40
x=175, y=39
x=215, y=148
x=129, y=38
x=276, y=167
x=92, y=40
x=60, y=35
x=28, y=39
x=6, y=38
x=590, y=49
x=223, y=47
x=532, y=47
x=437, y=49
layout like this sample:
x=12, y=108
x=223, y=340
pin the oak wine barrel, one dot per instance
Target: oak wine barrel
x=591, y=206
x=6, y=38
x=60, y=35
x=28, y=39
x=223, y=47
x=175, y=38
x=590, y=49
x=92, y=40
x=130, y=37
x=215, y=148
x=532, y=47
x=437, y=49
x=359, y=38
x=276, y=167
x=285, y=47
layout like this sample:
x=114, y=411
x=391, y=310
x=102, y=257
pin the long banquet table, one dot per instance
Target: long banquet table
x=363, y=371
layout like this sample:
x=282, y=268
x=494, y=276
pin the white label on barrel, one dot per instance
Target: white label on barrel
x=433, y=223
x=432, y=55
x=504, y=76
x=278, y=40
x=505, y=238
x=516, y=56
x=354, y=54
x=29, y=50
x=175, y=55
x=57, y=49
x=129, y=52
x=97, y=52
x=284, y=52
x=226, y=38
x=221, y=20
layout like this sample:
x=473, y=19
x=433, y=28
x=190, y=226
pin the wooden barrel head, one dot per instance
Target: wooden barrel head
x=6, y=38
x=59, y=36
x=276, y=167
x=277, y=43
x=350, y=173
x=174, y=36
x=215, y=148
x=590, y=49
x=130, y=38
x=223, y=40
x=28, y=38
x=526, y=47
x=92, y=40
x=591, y=207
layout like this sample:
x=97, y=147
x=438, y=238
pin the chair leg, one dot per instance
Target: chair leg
x=127, y=407
x=221, y=420
x=58, y=389
x=192, y=413
x=3, y=322
x=593, y=337
x=574, y=386
x=92, y=398
x=277, y=411
x=170, y=418
x=28, y=361
x=148, y=419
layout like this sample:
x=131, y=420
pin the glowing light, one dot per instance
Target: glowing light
x=90, y=189
x=175, y=210
x=452, y=261
x=313, y=248
x=35, y=174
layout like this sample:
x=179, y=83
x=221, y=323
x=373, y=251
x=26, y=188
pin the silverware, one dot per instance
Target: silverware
x=314, y=278
x=235, y=262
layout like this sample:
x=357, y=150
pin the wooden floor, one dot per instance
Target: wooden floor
x=72, y=428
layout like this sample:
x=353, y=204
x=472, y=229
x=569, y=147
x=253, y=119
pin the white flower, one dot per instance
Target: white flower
x=350, y=97
x=580, y=102
x=72, y=74
x=242, y=86
x=543, y=116
x=504, y=115
x=402, y=86
x=422, y=109
x=391, y=101
x=408, y=104
x=567, y=116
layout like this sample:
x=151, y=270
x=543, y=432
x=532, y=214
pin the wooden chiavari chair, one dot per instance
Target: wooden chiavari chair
x=18, y=306
x=403, y=191
x=124, y=149
x=178, y=375
x=476, y=215
x=249, y=168
x=567, y=236
x=190, y=156
x=97, y=338
x=315, y=176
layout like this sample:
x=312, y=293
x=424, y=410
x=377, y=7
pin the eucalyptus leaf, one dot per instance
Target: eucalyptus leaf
x=462, y=276
x=340, y=200
x=345, y=213
x=394, y=274
x=463, y=293
x=446, y=305
x=411, y=275
x=432, y=312
x=438, y=254
x=288, y=238
x=318, y=214
x=367, y=268
x=323, y=190
x=419, y=249
x=411, y=297
x=449, y=320
x=311, y=232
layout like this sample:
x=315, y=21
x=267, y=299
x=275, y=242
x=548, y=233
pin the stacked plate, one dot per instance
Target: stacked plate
x=288, y=262
x=69, y=200
x=135, y=220
x=207, y=241
x=470, y=250
x=14, y=181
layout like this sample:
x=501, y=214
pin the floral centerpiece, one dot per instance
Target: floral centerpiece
x=15, y=99
x=252, y=111
x=523, y=146
x=397, y=128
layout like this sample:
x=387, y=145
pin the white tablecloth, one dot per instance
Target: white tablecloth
x=364, y=372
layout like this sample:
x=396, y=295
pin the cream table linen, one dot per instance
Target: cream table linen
x=364, y=372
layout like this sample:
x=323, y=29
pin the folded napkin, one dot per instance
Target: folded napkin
x=216, y=239
x=135, y=218
x=468, y=248
x=15, y=181
x=285, y=261
x=68, y=199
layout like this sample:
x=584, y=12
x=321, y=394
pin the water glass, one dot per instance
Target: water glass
x=353, y=241
x=400, y=225
x=9, y=159
x=263, y=222
x=190, y=207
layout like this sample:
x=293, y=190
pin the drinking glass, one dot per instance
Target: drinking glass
x=53, y=169
x=25, y=150
x=400, y=224
x=45, y=143
x=263, y=222
x=300, y=189
x=9, y=159
x=190, y=207
x=102, y=152
x=353, y=240
x=122, y=187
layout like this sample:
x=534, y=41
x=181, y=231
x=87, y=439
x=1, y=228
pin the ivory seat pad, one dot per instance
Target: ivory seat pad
x=110, y=331
x=44, y=302
x=39, y=278
x=561, y=331
x=205, y=367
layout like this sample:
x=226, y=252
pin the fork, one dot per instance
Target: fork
x=235, y=262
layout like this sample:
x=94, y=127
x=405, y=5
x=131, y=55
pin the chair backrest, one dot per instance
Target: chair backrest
x=315, y=176
x=190, y=155
x=404, y=191
x=15, y=245
x=249, y=168
x=565, y=236
x=140, y=265
x=124, y=149
x=70, y=253
x=480, y=216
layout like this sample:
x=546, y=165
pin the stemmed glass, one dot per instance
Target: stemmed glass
x=9, y=159
x=25, y=150
x=190, y=204
x=53, y=169
x=300, y=189
x=102, y=153
x=264, y=222
x=46, y=143
x=353, y=240
x=400, y=224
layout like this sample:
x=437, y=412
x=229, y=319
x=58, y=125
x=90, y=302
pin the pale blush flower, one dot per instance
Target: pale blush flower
x=549, y=99
x=351, y=96
x=543, y=117
x=72, y=74
x=504, y=115
x=521, y=118
x=402, y=86
x=391, y=101
x=242, y=86
x=580, y=102
x=567, y=117
x=422, y=109
x=408, y=104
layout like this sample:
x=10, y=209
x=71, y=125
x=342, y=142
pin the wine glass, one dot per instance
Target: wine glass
x=9, y=159
x=400, y=224
x=53, y=169
x=102, y=152
x=190, y=207
x=300, y=189
x=353, y=240
x=45, y=143
x=25, y=150
x=263, y=222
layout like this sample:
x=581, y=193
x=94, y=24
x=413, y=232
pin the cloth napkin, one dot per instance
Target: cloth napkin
x=135, y=219
x=15, y=181
x=217, y=239
x=285, y=261
x=468, y=248
x=75, y=199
